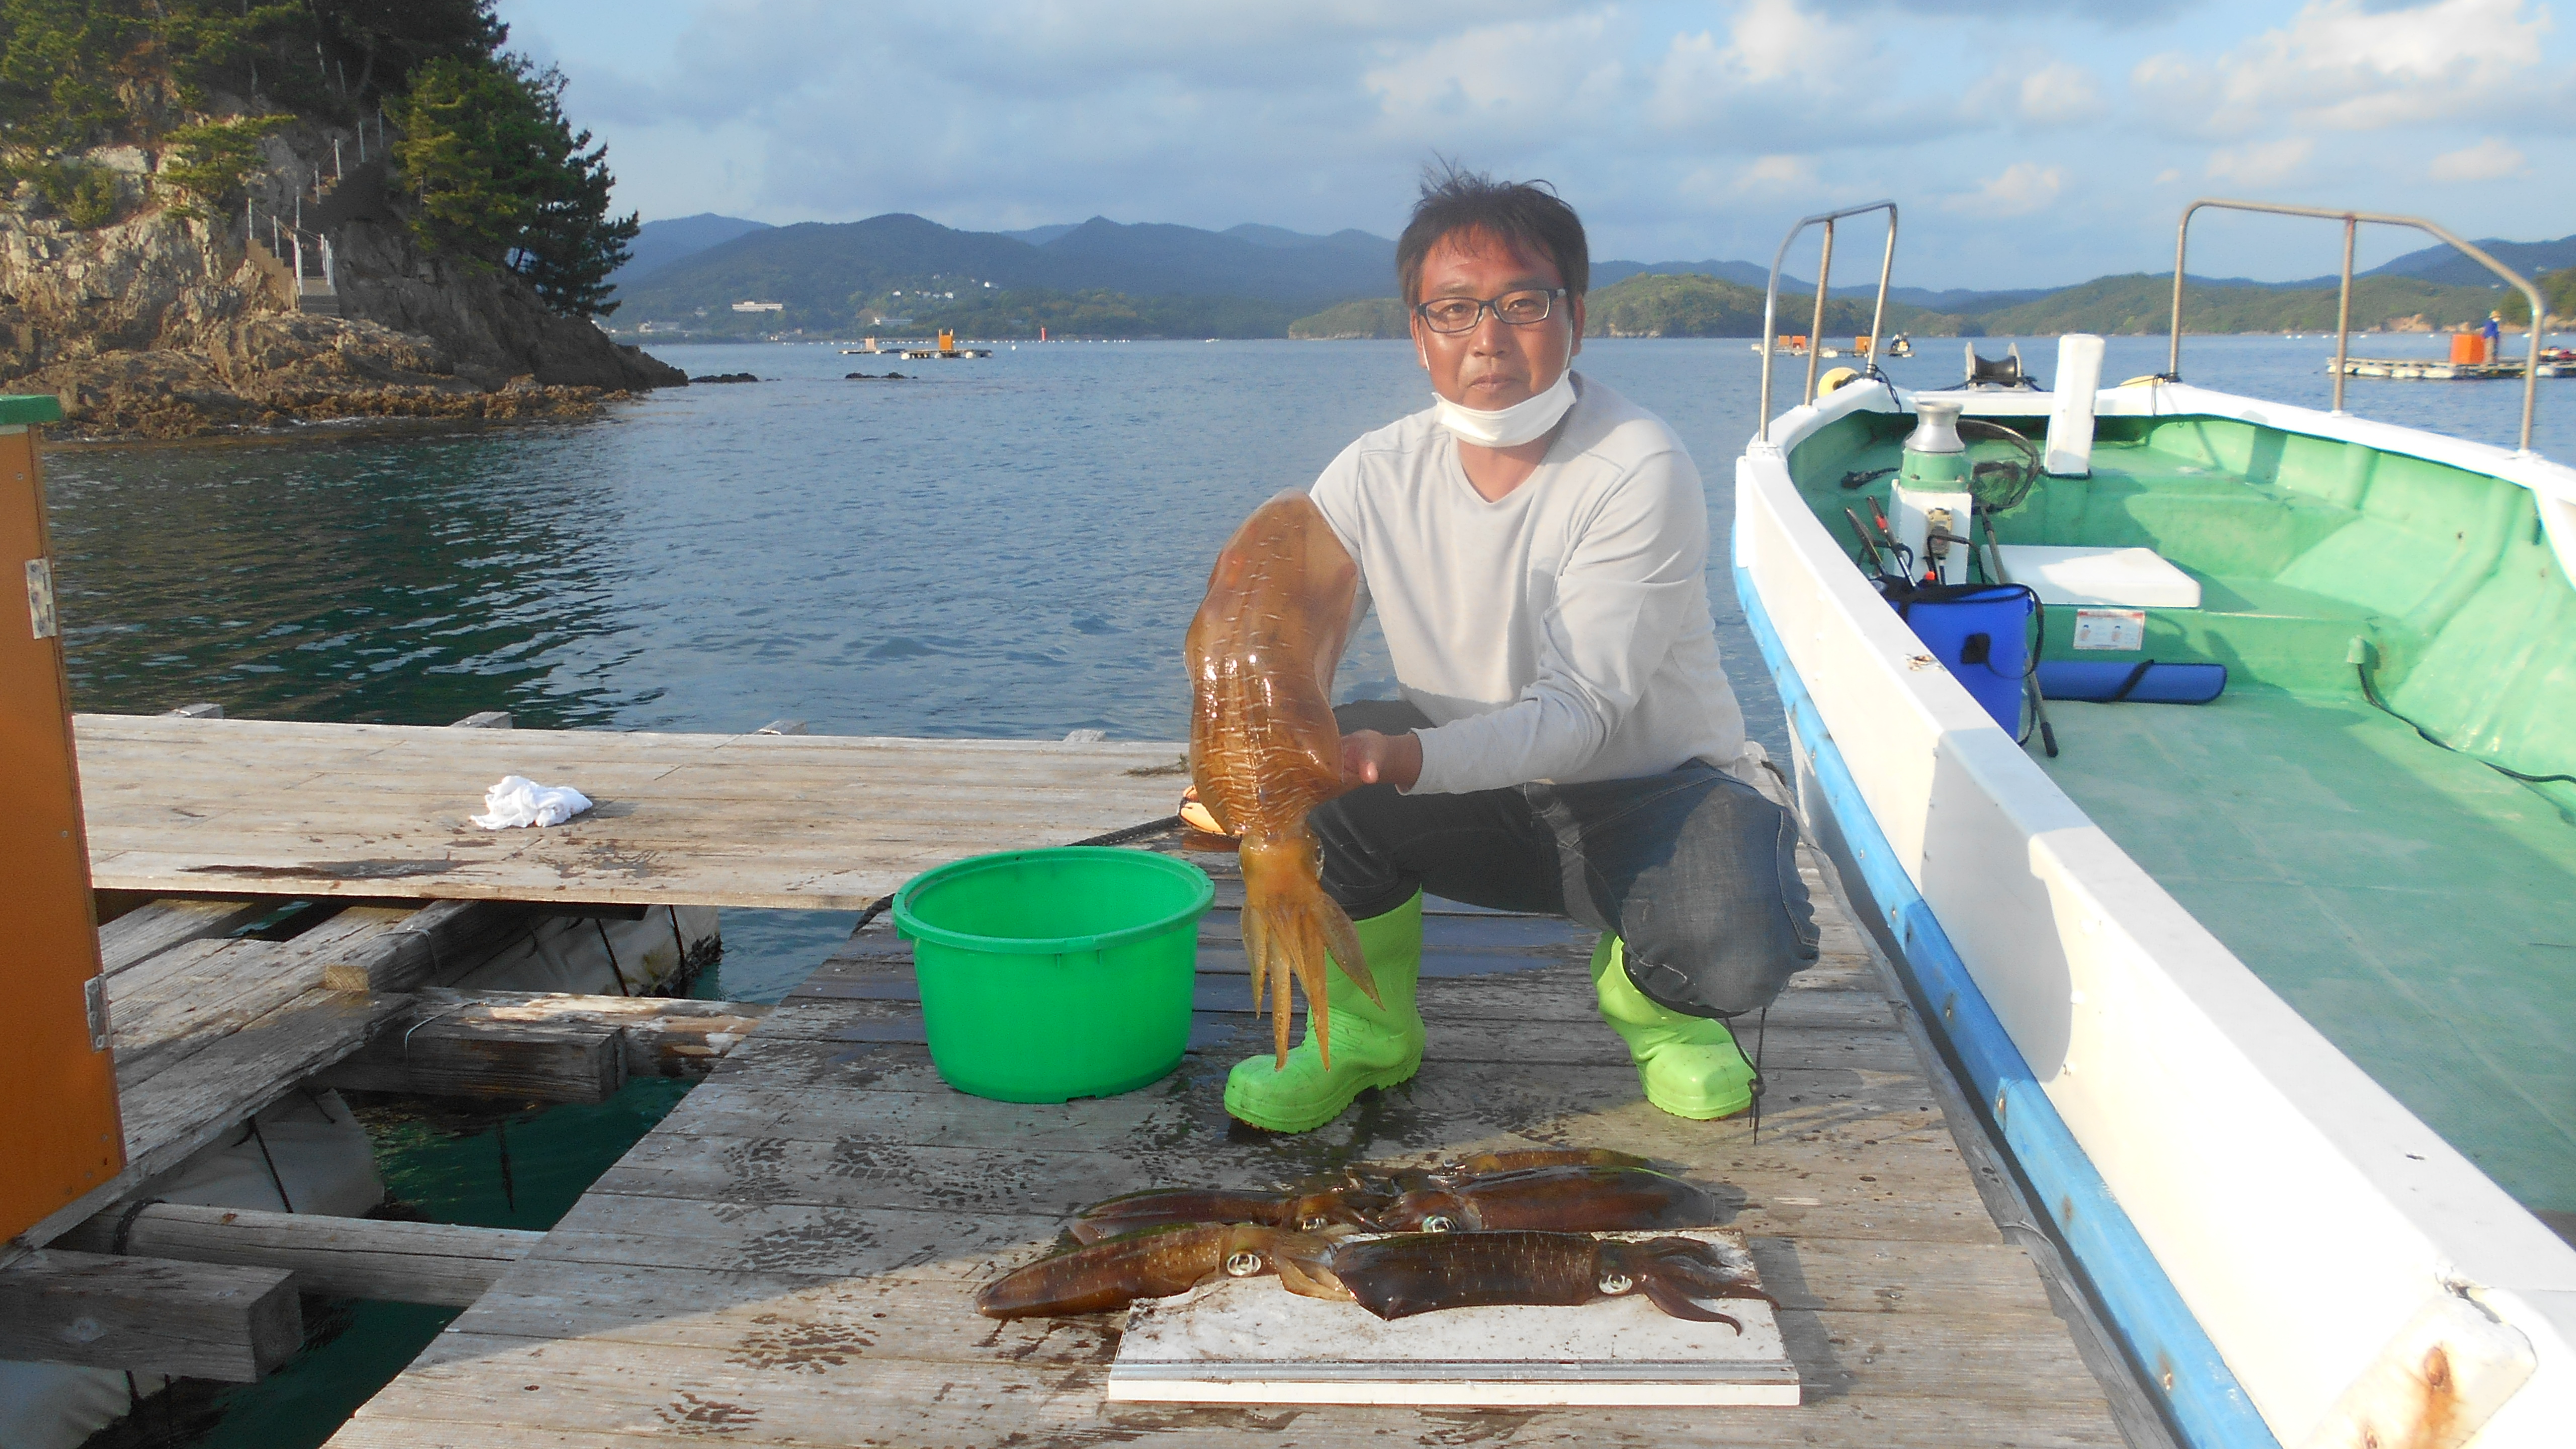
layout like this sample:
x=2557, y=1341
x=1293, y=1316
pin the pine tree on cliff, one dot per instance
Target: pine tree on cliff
x=502, y=178
x=501, y=175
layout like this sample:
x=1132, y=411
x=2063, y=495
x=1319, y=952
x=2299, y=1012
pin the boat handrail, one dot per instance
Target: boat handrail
x=2343, y=314
x=1824, y=288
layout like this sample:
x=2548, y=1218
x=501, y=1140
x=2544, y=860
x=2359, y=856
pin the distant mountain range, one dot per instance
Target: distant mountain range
x=841, y=276
x=689, y=274
x=661, y=243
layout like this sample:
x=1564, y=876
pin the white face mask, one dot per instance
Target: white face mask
x=1509, y=427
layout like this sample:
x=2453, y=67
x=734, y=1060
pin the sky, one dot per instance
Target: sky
x=2030, y=144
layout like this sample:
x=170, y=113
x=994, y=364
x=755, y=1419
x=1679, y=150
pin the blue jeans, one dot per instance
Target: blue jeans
x=1694, y=870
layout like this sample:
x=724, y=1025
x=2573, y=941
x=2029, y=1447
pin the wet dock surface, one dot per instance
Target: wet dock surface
x=790, y=1257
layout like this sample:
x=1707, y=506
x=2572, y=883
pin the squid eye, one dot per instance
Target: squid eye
x=1616, y=1283
x=1242, y=1265
x=1437, y=1223
x=1315, y=1225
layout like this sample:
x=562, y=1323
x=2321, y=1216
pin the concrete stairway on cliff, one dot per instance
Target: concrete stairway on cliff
x=310, y=283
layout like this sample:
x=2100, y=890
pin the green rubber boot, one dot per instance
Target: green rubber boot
x=1373, y=1045
x=1689, y=1065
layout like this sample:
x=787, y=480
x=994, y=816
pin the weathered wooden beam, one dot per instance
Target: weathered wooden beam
x=150, y=1315
x=440, y=942
x=666, y=1036
x=547, y=1046
x=439, y=1263
x=156, y=926
x=531, y=1061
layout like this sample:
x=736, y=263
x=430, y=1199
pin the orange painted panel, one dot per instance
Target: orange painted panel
x=61, y=1139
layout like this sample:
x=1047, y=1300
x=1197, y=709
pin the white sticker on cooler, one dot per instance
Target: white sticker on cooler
x=2120, y=629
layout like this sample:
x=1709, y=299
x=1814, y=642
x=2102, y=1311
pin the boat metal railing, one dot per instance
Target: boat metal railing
x=2352, y=221
x=1824, y=289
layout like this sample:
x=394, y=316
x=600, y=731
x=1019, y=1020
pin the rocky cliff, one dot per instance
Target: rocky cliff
x=170, y=325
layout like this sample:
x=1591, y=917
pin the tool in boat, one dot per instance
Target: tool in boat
x=1868, y=545
x=1904, y=556
x=2030, y=677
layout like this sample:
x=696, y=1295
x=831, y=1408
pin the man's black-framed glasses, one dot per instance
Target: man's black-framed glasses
x=1515, y=309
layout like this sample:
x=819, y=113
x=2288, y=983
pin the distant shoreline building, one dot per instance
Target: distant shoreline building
x=760, y=306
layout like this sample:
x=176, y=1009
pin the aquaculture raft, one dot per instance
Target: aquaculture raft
x=789, y=1257
x=2437, y=369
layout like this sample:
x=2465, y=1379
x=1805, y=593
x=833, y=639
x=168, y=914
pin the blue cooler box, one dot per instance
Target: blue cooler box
x=1979, y=632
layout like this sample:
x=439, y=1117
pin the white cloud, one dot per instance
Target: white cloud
x=2024, y=187
x=1501, y=82
x=2061, y=94
x=1772, y=43
x=2264, y=163
x=2352, y=65
x=2489, y=160
x=1779, y=173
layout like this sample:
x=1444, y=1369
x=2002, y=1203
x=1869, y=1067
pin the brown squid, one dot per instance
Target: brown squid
x=1395, y=1181
x=1305, y=1211
x=1553, y=1199
x=1263, y=746
x=1154, y=1263
x=1398, y=1277
x=1568, y=1197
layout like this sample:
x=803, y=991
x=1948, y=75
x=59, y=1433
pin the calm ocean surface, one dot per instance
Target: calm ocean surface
x=1005, y=547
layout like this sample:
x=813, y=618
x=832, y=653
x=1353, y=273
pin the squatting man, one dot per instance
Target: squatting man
x=1535, y=548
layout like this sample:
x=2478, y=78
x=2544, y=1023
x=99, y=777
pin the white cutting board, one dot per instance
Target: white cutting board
x=1250, y=1341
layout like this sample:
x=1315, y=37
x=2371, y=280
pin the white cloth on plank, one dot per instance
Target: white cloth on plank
x=518, y=801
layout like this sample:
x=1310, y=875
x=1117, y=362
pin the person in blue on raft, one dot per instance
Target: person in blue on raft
x=1536, y=549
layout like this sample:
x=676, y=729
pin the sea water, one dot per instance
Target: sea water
x=1008, y=546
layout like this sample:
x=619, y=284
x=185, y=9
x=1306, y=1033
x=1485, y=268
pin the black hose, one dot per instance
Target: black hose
x=2370, y=691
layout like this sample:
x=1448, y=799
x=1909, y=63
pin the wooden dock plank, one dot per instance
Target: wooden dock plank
x=788, y=1258
x=821, y=822
x=784, y=1388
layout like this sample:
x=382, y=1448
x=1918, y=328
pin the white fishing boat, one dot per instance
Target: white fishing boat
x=2271, y=999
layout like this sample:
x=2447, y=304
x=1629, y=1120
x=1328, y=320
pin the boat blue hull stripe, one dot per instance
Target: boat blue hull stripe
x=2166, y=1342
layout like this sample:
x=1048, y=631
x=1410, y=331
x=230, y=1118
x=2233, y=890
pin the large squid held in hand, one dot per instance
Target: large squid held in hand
x=1263, y=746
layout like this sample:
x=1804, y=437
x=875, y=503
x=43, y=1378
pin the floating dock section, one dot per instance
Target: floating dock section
x=790, y=1256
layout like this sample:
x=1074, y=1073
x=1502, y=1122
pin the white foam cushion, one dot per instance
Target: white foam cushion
x=2127, y=578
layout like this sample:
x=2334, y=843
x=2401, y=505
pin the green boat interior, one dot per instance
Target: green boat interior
x=2403, y=893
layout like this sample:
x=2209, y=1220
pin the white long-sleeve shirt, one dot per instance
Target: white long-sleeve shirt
x=1561, y=634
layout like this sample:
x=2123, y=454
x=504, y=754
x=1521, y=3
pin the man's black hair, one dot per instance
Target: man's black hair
x=1527, y=212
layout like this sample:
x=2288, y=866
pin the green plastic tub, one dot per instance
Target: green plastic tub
x=1053, y=974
